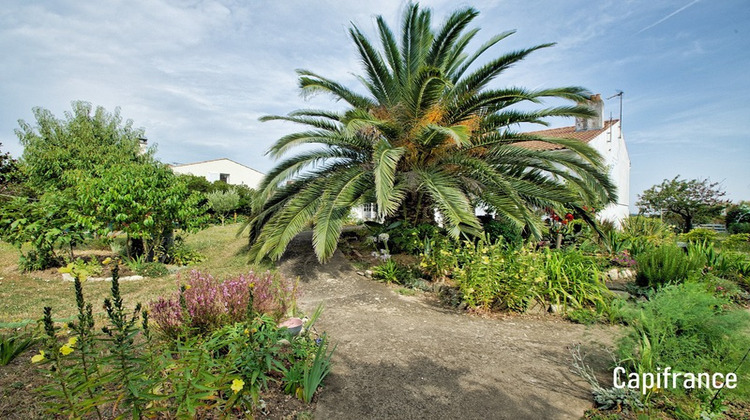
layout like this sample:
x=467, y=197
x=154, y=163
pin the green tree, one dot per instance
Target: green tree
x=223, y=203
x=147, y=201
x=689, y=201
x=83, y=173
x=430, y=134
x=738, y=217
x=57, y=151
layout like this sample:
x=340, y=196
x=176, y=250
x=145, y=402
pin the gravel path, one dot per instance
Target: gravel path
x=404, y=357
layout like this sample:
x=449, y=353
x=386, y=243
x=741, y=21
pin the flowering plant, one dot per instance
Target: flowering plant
x=204, y=303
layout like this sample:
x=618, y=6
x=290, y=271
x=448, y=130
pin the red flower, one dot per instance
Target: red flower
x=565, y=222
x=569, y=216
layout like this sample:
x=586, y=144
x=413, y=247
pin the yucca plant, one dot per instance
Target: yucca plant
x=431, y=134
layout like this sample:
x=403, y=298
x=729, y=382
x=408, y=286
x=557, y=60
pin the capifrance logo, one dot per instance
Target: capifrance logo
x=663, y=379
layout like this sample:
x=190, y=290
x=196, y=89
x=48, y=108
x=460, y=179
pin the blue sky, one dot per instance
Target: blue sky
x=197, y=75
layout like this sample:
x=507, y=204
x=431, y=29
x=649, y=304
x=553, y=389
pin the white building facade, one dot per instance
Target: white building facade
x=223, y=169
x=605, y=137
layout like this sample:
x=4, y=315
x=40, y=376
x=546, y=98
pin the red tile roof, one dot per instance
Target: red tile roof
x=563, y=133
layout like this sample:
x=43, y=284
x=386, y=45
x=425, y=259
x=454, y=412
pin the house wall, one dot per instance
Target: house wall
x=611, y=145
x=211, y=170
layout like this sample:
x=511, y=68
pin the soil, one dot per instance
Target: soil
x=410, y=357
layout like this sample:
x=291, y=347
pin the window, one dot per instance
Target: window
x=224, y=178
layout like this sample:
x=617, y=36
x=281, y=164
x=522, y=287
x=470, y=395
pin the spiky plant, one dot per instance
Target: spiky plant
x=430, y=135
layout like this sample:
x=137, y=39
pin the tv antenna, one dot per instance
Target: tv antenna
x=619, y=93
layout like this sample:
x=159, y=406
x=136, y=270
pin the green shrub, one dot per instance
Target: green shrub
x=645, y=233
x=490, y=275
x=738, y=242
x=390, y=272
x=410, y=239
x=181, y=254
x=503, y=229
x=439, y=257
x=688, y=329
x=153, y=269
x=663, y=265
x=493, y=276
x=735, y=228
x=699, y=235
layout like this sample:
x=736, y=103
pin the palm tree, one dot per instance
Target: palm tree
x=429, y=136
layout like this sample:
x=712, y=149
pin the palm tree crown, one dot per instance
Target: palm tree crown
x=429, y=136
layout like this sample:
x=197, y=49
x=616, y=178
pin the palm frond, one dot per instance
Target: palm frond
x=453, y=204
x=465, y=64
x=311, y=83
x=385, y=159
x=448, y=35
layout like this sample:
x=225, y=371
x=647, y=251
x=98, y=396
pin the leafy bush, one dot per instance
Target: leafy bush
x=181, y=254
x=615, y=243
x=689, y=329
x=649, y=229
x=502, y=229
x=410, y=239
x=86, y=268
x=735, y=228
x=699, y=235
x=490, y=275
x=728, y=264
x=738, y=241
x=666, y=264
x=439, y=257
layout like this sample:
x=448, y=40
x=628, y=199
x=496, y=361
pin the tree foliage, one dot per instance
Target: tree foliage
x=431, y=134
x=145, y=201
x=84, y=174
x=738, y=217
x=58, y=151
x=689, y=201
x=223, y=202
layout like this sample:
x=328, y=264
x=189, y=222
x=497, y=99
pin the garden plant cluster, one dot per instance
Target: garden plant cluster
x=682, y=307
x=213, y=349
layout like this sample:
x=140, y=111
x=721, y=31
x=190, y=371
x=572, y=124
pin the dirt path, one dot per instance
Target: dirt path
x=408, y=358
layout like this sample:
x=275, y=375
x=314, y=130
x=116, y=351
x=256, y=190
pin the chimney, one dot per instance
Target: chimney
x=142, y=145
x=593, y=123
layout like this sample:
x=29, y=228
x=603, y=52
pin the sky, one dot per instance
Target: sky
x=197, y=75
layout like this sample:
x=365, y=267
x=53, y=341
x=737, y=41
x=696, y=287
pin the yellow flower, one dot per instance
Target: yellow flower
x=66, y=350
x=107, y=261
x=72, y=341
x=38, y=358
x=247, y=332
x=237, y=385
x=187, y=287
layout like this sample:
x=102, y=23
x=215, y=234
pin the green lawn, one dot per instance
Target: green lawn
x=23, y=295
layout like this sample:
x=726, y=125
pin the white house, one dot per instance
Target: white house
x=223, y=169
x=607, y=138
